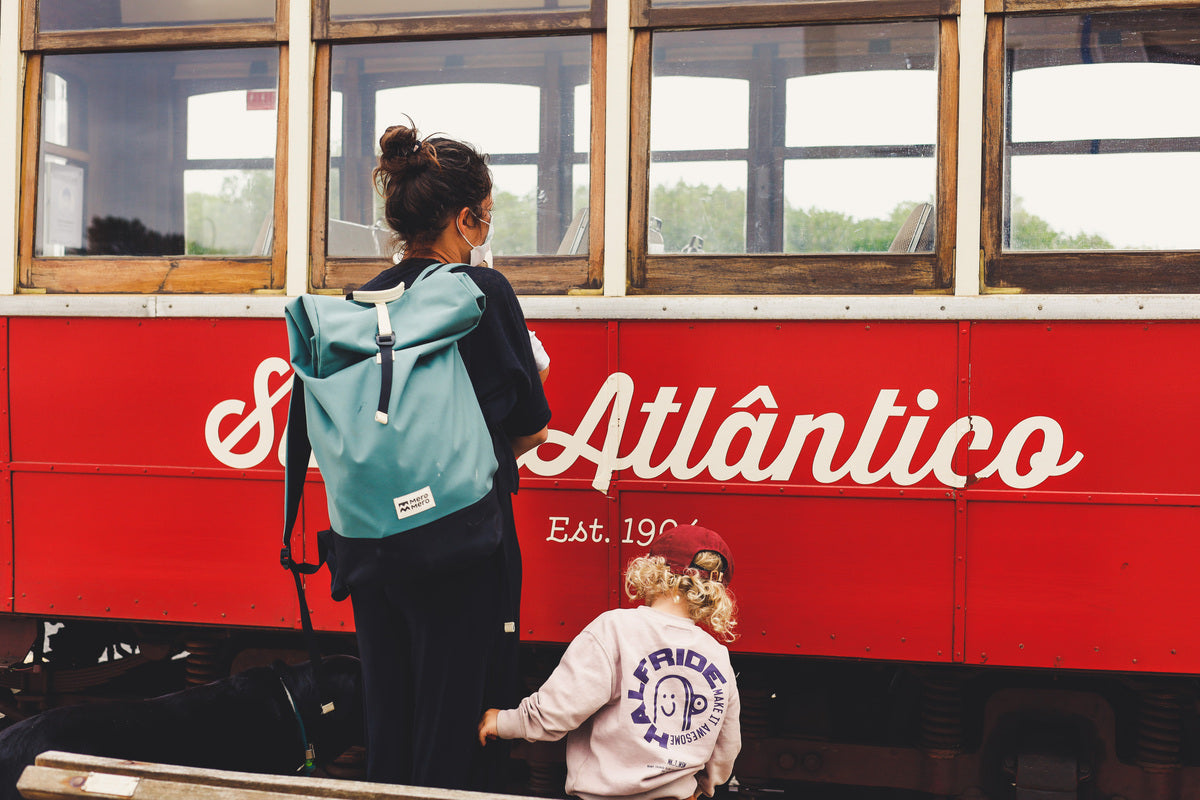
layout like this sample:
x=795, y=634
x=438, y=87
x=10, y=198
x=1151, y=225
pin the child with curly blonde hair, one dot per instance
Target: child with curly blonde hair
x=646, y=698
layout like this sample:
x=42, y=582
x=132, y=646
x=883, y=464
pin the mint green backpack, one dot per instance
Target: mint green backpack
x=383, y=398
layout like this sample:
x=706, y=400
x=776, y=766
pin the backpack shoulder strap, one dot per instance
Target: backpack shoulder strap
x=299, y=449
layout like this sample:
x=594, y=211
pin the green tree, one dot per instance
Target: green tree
x=714, y=213
x=818, y=231
x=1030, y=232
x=229, y=222
x=516, y=224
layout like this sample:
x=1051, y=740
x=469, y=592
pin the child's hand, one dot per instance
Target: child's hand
x=487, y=726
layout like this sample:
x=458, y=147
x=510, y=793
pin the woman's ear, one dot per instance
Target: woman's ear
x=464, y=219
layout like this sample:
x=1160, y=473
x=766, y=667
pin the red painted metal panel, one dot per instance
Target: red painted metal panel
x=145, y=392
x=1122, y=393
x=6, y=528
x=153, y=548
x=569, y=551
x=822, y=576
x=1077, y=586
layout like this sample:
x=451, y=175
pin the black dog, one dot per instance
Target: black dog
x=250, y=722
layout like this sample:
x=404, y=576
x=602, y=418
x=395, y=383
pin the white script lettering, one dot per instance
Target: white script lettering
x=757, y=428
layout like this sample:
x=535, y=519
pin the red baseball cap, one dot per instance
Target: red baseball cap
x=679, y=546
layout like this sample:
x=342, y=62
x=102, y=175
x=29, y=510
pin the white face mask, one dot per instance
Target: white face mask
x=481, y=254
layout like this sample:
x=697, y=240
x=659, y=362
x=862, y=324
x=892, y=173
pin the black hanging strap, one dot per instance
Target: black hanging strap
x=298, y=451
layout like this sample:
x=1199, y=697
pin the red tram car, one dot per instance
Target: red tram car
x=950, y=438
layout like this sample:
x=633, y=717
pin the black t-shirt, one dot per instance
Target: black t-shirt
x=498, y=360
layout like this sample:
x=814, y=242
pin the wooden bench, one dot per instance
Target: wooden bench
x=57, y=775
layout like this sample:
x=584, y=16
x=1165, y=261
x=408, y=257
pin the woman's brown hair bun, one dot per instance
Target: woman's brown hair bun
x=424, y=182
x=401, y=151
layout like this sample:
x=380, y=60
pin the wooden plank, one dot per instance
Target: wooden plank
x=458, y=26
x=639, y=13
x=599, y=14
x=183, y=275
x=800, y=12
x=279, y=214
x=148, y=38
x=993, y=145
x=848, y=273
x=319, y=174
x=946, y=203
x=1096, y=272
x=595, y=274
x=320, y=19
x=54, y=771
x=28, y=23
x=29, y=167
x=282, y=20
x=529, y=275
x=1084, y=6
x=639, y=160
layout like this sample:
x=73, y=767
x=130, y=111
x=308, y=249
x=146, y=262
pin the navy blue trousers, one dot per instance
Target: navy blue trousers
x=435, y=654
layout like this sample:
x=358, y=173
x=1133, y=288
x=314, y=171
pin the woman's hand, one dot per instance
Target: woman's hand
x=487, y=726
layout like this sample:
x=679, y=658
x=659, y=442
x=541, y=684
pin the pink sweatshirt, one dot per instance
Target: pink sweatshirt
x=649, y=706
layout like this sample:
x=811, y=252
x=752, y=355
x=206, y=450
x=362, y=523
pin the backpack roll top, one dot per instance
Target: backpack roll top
x=427, y=454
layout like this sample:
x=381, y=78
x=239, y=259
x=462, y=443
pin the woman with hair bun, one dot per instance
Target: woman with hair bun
x=437, y=649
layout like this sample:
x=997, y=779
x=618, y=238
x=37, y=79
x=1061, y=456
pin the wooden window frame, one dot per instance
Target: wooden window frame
x=529, y=275
x=798, y=273
x=645, y=14
x=157, y=37
x=147, y=274
x=1059, y=271
x=455, y=26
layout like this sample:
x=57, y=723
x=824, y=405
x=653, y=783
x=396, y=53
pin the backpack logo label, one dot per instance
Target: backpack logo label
x=415, y=503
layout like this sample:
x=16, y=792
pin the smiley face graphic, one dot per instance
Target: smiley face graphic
x=676, y=701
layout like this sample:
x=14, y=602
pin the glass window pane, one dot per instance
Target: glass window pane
x=888, y=107
x=376, y=9
x=227, y=211
x=698, y=207
x=680, y=97
x=518, y=100
x=246, y=130
x=158, y=154
x=790, y=131
x=72, y=15
x=828, y=211
x=1104, y=144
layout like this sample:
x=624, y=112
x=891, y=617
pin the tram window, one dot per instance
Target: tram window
x=1094, y=149
x=72, y=15
x=1104, y=151
x=157, y=153
x=519, y=100
x=817, y=139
